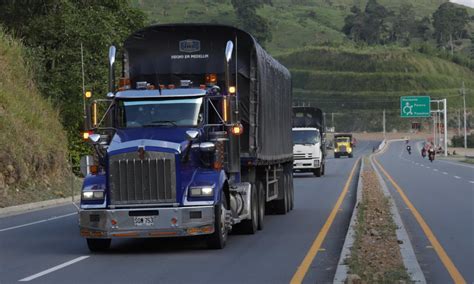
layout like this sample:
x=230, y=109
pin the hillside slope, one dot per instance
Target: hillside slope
x=294, y=23
x=33, y=153
x=371, y=78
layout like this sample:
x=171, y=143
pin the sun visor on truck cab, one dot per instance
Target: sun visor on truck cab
x=154, y=53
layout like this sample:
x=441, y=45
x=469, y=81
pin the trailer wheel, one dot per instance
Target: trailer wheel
x=218, y=239
x=261, y=203
x=98, y=245
x=251, y=226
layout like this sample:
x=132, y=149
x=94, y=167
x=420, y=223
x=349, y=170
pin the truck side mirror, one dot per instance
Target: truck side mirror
x=228, y=51
x=94, y=138
x=192, y=135
x=112, y=51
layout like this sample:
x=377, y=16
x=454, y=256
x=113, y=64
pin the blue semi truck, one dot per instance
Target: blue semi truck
x=194, y=139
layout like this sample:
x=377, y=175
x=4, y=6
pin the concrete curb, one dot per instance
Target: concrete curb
x=29, y=207
x=406, y=249
x=342, y=268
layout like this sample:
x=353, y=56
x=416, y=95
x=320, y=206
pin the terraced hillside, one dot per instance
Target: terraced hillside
x=33, y=162
x=375, y=77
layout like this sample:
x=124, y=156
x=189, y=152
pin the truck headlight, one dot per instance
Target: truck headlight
x=201, y=191
x=93, y=195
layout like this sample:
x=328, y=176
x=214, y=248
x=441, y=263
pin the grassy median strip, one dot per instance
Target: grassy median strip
x=375, y=255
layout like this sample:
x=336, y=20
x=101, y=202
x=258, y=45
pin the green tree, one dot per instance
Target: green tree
x=403, y=25
x=369, y=25
x=54, y=31
x=354, y=24
x=250, y=21
x=375, y=25
x=449, y=22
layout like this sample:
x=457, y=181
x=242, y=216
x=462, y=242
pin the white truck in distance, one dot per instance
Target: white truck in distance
x=307, y=153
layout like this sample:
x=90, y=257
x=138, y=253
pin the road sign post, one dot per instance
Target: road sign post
x=415, y=106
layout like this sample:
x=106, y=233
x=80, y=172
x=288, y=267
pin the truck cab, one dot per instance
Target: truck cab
x=307, y=151
x=309, y=140
x=343, y=145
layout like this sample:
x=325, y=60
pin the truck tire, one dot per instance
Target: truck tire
x=261, y=203
x=336, y=156
x=317, y=172
x=281, y=205
x=98, y=245
x=350, y=156
x=218, y=239
x=250, y=226
x=323, y=167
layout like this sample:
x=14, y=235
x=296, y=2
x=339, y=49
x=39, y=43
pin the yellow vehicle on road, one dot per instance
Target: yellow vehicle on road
x=343, y=145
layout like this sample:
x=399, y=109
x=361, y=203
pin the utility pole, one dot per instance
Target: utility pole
x=445, y=102
x=463, y=93
x=434, y=128
x=459, y=122
x=383, y=121
x=332, y=121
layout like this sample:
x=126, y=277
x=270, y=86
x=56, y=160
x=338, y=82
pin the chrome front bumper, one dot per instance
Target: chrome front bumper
x=167, y=222
x=306, y=164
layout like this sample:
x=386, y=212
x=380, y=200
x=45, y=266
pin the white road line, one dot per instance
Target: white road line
x=427, y=167
x=445, y=173
x=471, y=181
x=457, y=164
x=52, y=269
x=457, y=177
x=37, y=222
x=435, y=170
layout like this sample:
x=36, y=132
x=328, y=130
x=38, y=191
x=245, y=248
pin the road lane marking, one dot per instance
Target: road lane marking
x=471, y=181
x=457, y=164
x=300, y=273
x=427, y=167
x=447, y=262
x=435, y=170
x=37, y=222
x=52, y=269
x=457, y=177
x=445, y=173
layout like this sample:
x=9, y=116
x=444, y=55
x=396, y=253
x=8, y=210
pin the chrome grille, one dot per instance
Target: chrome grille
x=301, y=156
x=343, y=149
x=148, y=181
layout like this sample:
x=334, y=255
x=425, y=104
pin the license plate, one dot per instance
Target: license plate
x=143, y=221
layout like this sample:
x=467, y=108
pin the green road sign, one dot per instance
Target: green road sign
x=415, y=106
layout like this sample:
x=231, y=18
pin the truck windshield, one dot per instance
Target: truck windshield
x=306, y=136
x=164, y=112
x=343, y=139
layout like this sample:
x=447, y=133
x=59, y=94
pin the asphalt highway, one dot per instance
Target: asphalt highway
x=440, y=219
x=45, y=247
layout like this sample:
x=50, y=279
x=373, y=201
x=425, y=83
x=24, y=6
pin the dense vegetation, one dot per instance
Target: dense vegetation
x=33, y=142
x=53, y=31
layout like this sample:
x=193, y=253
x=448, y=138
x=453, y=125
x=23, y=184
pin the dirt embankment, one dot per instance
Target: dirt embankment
x=375, y=256
x=33, y=154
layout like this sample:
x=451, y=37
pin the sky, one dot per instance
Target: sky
x=469, y=3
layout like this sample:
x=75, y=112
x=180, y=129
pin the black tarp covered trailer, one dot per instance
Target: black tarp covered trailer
x=309, y=117
x=166, y=54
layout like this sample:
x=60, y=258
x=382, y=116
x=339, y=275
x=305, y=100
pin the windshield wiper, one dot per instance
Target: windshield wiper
x=161, y=122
